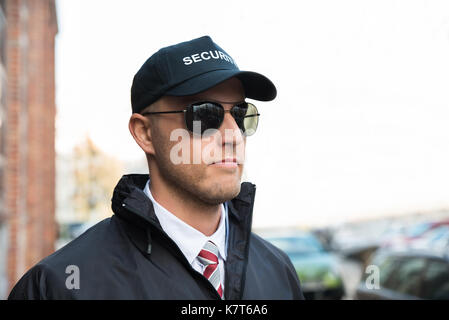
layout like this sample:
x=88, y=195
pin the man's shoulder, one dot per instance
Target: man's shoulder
x=92, y=242
x=83, y=254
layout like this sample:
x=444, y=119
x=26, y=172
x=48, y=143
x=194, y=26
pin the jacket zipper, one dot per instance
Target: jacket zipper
x=245, y=263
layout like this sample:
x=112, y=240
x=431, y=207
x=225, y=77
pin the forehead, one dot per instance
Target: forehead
x=230, y=90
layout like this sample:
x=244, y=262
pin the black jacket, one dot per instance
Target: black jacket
x=129, y=256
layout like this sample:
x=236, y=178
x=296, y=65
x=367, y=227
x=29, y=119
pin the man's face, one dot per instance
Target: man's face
x=201, y=176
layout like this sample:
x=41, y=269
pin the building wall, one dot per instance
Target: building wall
x=28, y=171
x=3, y=228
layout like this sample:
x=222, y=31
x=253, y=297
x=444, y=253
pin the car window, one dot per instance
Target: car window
x=407, y=276
x=386, y=268
x=418, y=229
x=436, y=280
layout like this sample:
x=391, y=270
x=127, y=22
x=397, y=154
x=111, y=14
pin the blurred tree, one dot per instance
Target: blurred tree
x=95, y=176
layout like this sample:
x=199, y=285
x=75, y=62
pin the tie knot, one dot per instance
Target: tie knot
x=209, y=254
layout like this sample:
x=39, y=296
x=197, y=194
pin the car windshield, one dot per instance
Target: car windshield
x=418, y=230
x=297, y=245
x=438, y=233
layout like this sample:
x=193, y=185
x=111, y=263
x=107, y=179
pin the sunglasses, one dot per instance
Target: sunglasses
x=211, y=115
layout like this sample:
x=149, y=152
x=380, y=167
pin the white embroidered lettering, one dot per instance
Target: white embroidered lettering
x=187, y=61
x=203, y=55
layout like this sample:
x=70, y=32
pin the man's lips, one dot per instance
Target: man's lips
x=227, y=161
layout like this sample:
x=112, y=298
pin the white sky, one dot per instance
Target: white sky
x=359, y=127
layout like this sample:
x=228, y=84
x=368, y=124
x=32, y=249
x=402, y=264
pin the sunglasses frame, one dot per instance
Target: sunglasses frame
x=217, y=103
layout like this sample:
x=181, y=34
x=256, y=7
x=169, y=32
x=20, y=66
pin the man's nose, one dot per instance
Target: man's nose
x=230, y=131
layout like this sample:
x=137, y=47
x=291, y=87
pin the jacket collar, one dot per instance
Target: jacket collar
x=130, y=202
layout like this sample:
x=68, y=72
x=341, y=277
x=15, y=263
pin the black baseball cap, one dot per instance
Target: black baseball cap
x=189, y=68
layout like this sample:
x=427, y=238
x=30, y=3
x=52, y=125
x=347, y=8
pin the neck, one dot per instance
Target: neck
x=202, y=216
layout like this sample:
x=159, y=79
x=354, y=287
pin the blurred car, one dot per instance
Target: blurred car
x=407, y=275
x=316, y=267
x=409, y=236
x=436, y=239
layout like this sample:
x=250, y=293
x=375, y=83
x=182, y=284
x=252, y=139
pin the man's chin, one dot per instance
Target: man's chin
x=220, y=194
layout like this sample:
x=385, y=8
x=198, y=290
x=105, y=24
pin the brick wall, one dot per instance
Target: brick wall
x=29, y=176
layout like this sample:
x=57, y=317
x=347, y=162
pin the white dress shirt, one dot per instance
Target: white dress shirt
x=190, y=240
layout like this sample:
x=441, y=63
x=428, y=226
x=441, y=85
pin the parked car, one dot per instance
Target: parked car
x=316, y=267
x=409, y=236
x=436, y=239
x=406, y=275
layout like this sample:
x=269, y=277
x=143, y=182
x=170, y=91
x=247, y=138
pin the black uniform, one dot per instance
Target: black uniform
x=129, y=256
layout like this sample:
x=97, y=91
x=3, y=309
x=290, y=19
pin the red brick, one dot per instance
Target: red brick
x=29, y=176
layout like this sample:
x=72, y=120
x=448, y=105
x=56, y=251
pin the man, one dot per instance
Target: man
x=184, y=230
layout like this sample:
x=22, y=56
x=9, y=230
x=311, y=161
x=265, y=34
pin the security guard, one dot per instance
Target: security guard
x=183, y=231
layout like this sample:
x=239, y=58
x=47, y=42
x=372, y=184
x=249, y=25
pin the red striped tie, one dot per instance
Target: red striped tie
x=208, y=256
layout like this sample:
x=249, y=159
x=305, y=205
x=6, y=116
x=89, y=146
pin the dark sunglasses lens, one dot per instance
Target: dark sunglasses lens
x=239, y=112
x=207, y=114
x=246, y=116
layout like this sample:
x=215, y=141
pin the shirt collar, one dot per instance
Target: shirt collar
x=188, y=239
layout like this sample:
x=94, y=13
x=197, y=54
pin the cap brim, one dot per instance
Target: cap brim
x=256, y=85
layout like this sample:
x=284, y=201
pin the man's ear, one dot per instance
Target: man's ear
x=140, y=128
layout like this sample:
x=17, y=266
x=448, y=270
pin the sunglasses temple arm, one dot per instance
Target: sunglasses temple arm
x=253, y=115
